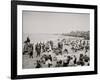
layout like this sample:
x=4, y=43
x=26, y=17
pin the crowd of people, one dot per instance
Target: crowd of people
x=61, y=53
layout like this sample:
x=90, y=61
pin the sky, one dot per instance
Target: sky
x=51, y=22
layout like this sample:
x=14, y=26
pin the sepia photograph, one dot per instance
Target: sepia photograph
x=51, y=39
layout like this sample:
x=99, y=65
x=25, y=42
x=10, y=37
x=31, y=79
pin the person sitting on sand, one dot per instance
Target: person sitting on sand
x=38, y=65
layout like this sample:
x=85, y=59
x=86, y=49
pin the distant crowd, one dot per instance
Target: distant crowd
x=57, y=54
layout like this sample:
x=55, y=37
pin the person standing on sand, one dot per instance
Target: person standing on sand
x=30, y=50
x=38, y=49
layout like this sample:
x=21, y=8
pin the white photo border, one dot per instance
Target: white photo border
x=21, y=71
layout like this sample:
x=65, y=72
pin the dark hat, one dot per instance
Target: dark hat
x=25, y=41
x=28, y=40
